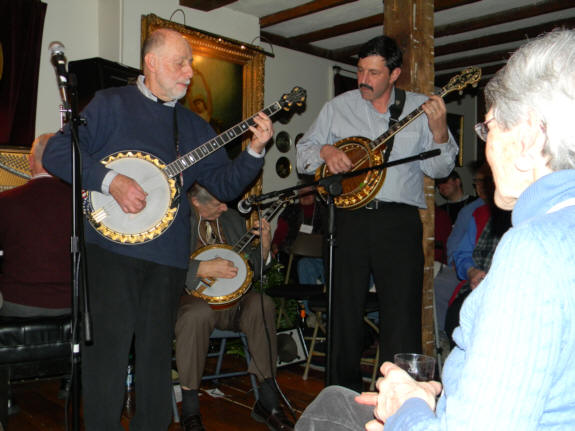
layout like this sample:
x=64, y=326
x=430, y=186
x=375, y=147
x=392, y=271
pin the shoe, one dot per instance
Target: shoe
x=13, y=408
x=276, y=420
x=64, y=390
x=192, y=423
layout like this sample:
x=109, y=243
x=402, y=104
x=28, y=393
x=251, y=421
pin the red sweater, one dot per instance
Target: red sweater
x=35, y=231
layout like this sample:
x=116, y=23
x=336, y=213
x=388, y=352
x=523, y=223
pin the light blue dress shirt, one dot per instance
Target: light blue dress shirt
x=350, y=115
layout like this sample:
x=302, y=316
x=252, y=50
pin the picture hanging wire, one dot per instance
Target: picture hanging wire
x=178, y=10
x=338, y=69
x=251, y=45
x=263, y=39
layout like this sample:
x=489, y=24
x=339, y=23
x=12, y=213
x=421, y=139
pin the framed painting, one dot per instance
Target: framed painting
x=228, y=82
x=455, y=124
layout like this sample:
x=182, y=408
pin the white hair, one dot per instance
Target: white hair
x=539, y=79
x=201, y=194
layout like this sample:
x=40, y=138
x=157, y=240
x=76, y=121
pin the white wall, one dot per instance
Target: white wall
x=75, y=24
x=110, y=17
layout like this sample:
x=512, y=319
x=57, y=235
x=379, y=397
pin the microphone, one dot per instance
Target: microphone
x=245, y=205
x=59, y=62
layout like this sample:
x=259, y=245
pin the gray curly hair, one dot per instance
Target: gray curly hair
x=539, y=79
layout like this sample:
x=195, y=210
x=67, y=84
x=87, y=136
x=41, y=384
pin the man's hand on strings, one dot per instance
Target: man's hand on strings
x=128, y=193
x=336, y=160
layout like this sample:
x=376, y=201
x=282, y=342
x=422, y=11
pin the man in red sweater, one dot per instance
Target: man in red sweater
x=35, y=231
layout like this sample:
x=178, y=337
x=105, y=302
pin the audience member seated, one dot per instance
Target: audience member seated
x=35, y=232
x=512, y=367
x=253, y=314
x=446, y=280
x=451, y=189
x=304, y=216
x=483, y=186
x=473, y=256
x=442, y=231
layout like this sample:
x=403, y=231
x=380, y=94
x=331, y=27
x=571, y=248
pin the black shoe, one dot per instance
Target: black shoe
x=275, y=419
x=192, y=423
x=12, y=407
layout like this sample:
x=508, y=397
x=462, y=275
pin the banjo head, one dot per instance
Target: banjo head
x=357, y=190
x=106, y=216
x=223, y=292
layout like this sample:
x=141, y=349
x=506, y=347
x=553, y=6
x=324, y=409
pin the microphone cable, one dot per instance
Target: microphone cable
x=266, y=328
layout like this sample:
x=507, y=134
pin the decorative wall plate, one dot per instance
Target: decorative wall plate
x=283, y=167
x=283, y=142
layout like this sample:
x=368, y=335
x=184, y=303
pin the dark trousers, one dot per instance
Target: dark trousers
x=129, y=298
x=386, y=242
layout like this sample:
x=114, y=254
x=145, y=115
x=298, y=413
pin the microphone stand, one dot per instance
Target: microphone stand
x=332, y=184
x=69, y=111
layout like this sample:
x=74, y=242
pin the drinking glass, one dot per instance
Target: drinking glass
x=419, y=367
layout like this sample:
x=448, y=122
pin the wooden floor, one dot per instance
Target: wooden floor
x=40, y=408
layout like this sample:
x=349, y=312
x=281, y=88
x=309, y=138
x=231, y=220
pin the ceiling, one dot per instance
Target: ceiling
x=481, y=33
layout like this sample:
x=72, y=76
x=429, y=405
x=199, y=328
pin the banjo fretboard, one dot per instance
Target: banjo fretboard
x=204, y=150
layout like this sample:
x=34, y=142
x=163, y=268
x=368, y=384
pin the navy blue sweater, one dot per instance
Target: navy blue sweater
x=121, y=119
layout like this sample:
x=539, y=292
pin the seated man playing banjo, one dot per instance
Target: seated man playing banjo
x=200, y=311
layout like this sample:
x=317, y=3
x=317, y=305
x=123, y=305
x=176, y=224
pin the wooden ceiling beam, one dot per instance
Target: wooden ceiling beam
x=205, y=5
x=338, y=30
x=448, y=4
x=501, y=38
x=304, y=47
x=347, y=55
x=365, y=23
x=502, y=17
x=299, y=11
x=492, y=57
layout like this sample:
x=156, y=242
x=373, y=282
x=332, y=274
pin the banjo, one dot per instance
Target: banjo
x=158, y=179
x=360, y=189
x=224, y=292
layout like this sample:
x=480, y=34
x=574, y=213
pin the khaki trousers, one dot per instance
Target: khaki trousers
x=197, y=320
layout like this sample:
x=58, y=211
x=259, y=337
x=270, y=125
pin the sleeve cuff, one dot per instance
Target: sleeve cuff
x=254, y=154
x=107, y=181
x=413, y=414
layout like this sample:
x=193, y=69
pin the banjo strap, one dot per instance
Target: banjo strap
x=180, y=183
x=395, y=111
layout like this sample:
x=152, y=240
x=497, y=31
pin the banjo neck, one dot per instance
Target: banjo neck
x=400, y=125
x=269, y=214
x=182, y=163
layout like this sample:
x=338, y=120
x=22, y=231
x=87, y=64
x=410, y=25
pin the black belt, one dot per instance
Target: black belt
x=376, y=205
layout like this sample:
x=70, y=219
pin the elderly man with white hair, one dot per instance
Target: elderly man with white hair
x=512, y=367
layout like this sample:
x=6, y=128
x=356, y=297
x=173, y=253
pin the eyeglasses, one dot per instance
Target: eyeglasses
x=482, y=130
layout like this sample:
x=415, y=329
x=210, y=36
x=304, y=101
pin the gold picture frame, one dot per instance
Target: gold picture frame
x=244, y=65
x=455, y=124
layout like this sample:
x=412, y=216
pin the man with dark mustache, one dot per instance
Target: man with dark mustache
x=384, y=237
